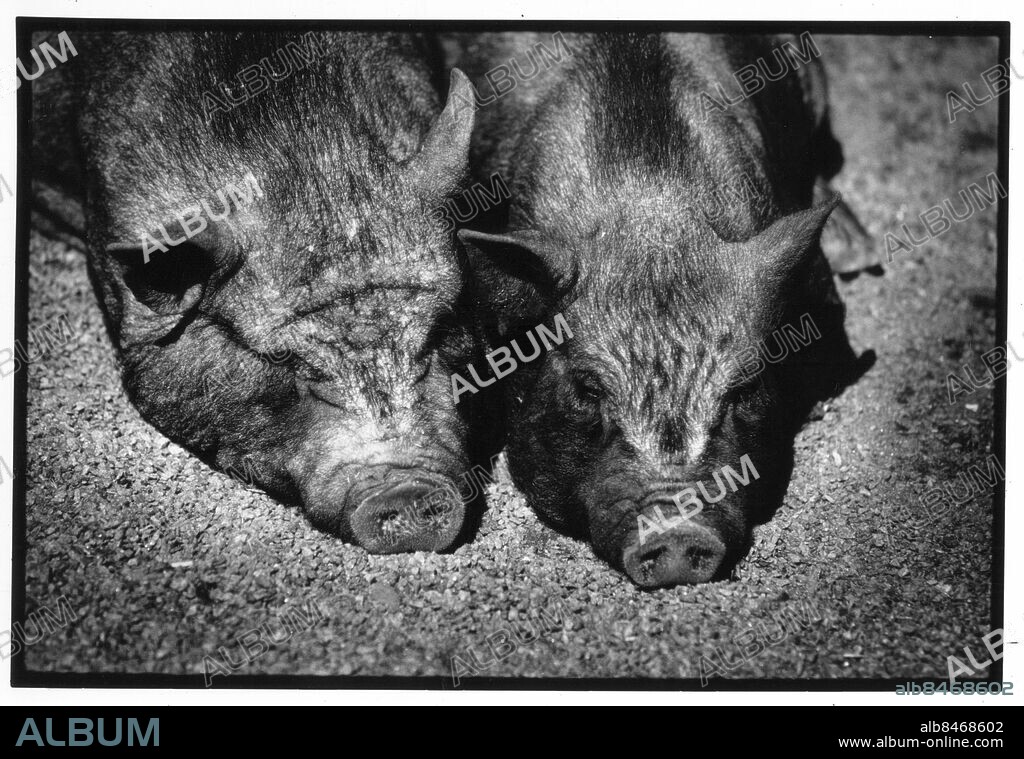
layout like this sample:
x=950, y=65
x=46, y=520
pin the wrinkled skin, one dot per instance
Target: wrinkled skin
x=611, y=163
x=339, y=271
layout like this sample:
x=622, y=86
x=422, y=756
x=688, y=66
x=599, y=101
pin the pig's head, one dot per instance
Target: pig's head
x=655, y=432
x=332, y=260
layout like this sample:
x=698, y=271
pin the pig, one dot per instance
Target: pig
x=262, y=207
x=663, y=431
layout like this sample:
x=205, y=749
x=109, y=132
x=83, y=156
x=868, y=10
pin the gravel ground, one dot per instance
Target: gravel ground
x=164, y=560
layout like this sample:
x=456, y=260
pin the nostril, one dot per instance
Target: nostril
x=646, y=562
x=648, y=559
x=699, y=557
x=651, y=555
x=434, y=504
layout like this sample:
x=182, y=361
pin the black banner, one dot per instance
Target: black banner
x=172, y=730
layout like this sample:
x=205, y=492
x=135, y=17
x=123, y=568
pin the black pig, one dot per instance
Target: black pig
x=639, y=433
x=259, y=195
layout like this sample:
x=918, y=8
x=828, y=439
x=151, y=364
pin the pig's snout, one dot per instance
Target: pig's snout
x=411, y=515
x=686, y=552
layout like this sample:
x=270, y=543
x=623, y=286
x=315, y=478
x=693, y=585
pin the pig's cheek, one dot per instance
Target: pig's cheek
x=732, y=519
x=441, y=418
x=610, y=487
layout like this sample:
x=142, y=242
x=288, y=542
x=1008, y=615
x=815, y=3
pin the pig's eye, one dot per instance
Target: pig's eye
x=588, y=389
x=745, y=391
x=170, y=283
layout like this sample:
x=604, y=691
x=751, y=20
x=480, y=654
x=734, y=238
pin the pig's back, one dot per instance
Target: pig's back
x=633, y=110
x=501, y=121
x=137, y=107
x=761, y=143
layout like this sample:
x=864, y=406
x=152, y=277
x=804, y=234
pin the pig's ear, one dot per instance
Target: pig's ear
x=517, y=275
x=172, y=281
x=442, y=165
x=790, y=242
